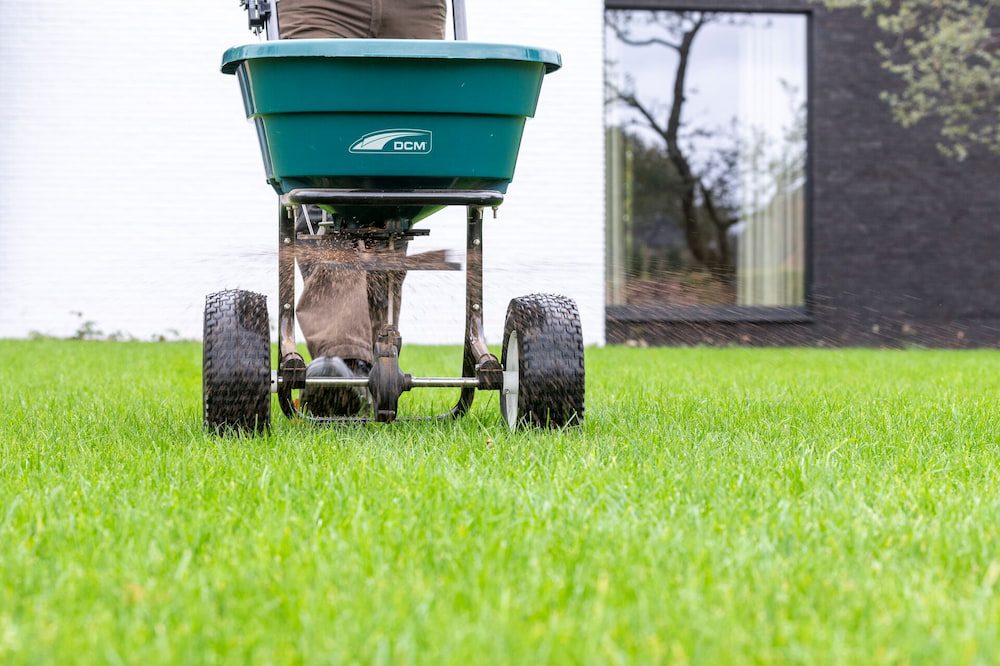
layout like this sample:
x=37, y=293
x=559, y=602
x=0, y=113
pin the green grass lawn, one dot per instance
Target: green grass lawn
x=718, y=506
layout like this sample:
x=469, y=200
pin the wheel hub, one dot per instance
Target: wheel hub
x=511, y=382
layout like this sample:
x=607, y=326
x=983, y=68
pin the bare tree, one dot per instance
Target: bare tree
x=677, y=31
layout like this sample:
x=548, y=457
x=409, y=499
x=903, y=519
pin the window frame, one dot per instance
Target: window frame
x=723, y=314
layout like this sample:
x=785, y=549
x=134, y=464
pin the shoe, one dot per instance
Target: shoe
x=328, y=401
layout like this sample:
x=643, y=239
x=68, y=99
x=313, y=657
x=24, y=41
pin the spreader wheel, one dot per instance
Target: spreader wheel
x=543, y=378
x=236, y=366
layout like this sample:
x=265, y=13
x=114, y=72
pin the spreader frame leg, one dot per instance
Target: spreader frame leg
x=291, y=365
x=477, y=361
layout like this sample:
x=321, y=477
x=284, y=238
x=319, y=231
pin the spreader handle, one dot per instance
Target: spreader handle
x=273, y=31
x=458, y=16
x=263, y=17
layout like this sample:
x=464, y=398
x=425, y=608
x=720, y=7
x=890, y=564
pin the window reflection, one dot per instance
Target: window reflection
x=706, y=133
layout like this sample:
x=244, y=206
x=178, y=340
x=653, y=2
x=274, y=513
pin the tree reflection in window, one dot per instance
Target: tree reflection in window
x=706, y=131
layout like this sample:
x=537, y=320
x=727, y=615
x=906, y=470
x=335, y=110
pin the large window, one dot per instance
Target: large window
x=706, y=137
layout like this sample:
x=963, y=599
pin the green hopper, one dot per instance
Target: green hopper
x=389, y=114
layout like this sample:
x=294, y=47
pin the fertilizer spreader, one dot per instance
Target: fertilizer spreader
x=380, y=134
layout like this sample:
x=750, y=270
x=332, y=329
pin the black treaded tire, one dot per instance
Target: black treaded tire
x=548, y=345
x=236, y=363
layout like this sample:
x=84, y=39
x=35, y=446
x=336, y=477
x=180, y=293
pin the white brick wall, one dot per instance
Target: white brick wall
x=131, y=184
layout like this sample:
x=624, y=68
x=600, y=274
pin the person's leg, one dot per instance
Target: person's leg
x=334, y=317
x=322, y=19
x=412, y=19
x=333, y=312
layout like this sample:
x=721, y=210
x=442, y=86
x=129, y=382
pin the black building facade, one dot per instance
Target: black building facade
x=900, y=245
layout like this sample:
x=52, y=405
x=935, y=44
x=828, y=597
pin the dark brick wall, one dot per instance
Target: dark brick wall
x=905, y=244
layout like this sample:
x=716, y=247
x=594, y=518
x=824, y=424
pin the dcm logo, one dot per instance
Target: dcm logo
x=394, y=142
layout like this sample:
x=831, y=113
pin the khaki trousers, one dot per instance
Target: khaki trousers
x=360, y=19
x=341, y=311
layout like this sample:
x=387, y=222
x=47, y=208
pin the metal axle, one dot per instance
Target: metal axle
x=415, y=382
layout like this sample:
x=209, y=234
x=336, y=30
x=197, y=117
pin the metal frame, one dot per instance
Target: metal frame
x=480, y=368
x=459, y=20
x=273, y=31
x=333, y=197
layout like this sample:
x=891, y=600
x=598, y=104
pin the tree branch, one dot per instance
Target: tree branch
x=713, y=212
x=623, y=36
x=647, y=115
